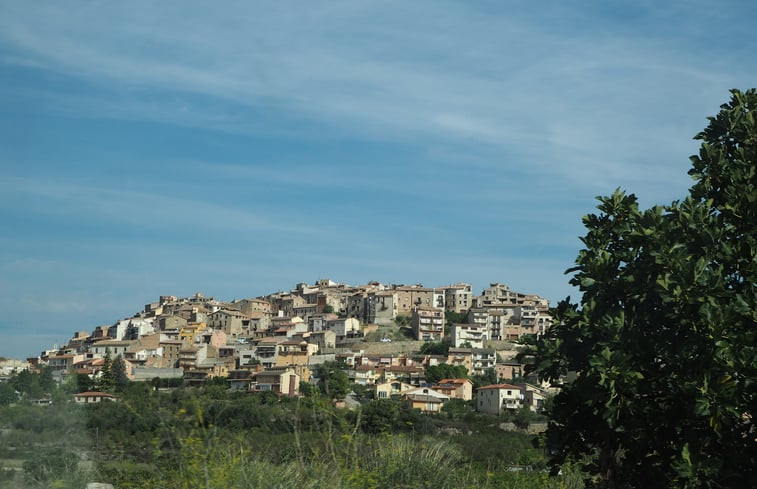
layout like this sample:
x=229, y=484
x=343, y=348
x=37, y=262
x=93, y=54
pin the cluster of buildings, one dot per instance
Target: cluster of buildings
x=271, y=343
x=403, y=376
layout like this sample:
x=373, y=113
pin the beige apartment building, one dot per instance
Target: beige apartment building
x=230, y=321
x=428, y=323
x=458, y=297
x=250, y=306
x=283, y=381
x=294, y=352
x=461, y=357
x=509, y=315
x=413, y=296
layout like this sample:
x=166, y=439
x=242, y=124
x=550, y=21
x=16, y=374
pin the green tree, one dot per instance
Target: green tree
x=452, y=317
x=7, y=394
x=523, y=417
x=332, y=380
x=46, y=381
x=106, y=381
x=120, y=379
x=27, y=383
x=457, y=408
x=489, y=377
x=362, y=393
x=69, y=385
x=308, y=390
x=663, y=339
x=434, y=348
x=434, y=373
x=34, y=385
x=401, y=320
x=49, y=464
x=380, y=416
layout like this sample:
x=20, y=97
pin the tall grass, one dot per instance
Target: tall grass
x=299, y=446
x=330, y=460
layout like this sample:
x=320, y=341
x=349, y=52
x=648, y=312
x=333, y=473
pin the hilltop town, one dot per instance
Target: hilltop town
x=385, y=336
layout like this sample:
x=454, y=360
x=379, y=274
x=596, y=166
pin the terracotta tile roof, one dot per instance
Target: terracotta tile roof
x=454, y=381
x=94, y=394
x=499, y=386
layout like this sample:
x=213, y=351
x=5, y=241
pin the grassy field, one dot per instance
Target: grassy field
x=212, y=438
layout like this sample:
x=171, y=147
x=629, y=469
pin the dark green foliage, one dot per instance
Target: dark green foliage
x=392, y=416
x=434, y=373
x=362, y=393
x=157, y=382
x=489, y=377
x=332, y=380
x=84, y=383
x=402, y=321
x=216, y=388
x=458, y=409
x=7, y=394
x=452, y=317
x=49, y=463
x=434, y=348
x=46, y=382
x=523, y=417
x=308, y=390
x=120, y=380
x=380, y=416
x=106, y=380
x=664, y=336
x=34, y=385
x=494, y=448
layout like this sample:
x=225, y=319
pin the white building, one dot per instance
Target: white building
x=472, y=334
x=493, y=399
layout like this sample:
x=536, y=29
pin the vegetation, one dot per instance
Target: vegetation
x=435, y=348
x=403, y=321
x=332, y=380
x=7, y=394
x=664, y=335
x=435, y=373
x=213, y=437
x=34, y=385
x=488, y=377
x=452, y=317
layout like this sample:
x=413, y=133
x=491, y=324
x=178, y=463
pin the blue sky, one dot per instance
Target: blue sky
x=152, y=148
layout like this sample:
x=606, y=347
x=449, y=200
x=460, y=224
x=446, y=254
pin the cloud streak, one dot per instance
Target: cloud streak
x=494, y=80
x=167, y=147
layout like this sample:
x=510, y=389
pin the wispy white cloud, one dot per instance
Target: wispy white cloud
x=497, y=123
x=142, y=208
x=498, y=80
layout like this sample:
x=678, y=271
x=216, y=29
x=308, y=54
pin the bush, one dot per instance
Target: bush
x=50, y=464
